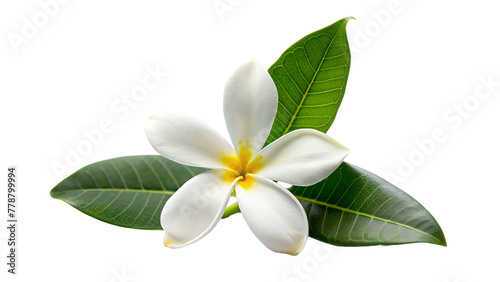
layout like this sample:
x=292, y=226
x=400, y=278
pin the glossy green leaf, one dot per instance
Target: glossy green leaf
x=354, y=207
x=127, y=191
x=311, y=78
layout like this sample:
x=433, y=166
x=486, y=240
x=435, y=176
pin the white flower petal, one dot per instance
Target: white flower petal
x=195, y=209
x=302, y=157
x=250, y=105
x=187, y=140
x=273, y=214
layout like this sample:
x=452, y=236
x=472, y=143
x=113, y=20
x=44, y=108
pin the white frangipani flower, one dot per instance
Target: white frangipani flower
x=302, y=157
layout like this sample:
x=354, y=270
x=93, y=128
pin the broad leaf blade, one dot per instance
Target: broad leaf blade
x=353, y=207
x=311, y=77
x=127, y=191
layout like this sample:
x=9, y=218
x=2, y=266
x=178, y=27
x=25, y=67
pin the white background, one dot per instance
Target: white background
x=413, y=64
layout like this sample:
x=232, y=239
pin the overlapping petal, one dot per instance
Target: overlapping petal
x=250, y=105
x=302, y=157
x=187, y=140
x=195, y=208
x=273, y=214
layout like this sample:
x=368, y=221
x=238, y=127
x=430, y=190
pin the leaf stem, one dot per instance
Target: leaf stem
x=232, y=209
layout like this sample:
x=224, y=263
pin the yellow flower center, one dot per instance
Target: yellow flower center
x=242, y=166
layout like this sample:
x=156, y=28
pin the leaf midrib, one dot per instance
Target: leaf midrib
x=369, y=216
x=117, y=190
x=310, y=84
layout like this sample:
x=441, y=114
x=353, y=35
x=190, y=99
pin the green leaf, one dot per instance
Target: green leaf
x=127, y=191
x=354, y=207
x=311, y=78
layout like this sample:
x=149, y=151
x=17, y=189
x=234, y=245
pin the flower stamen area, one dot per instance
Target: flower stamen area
x=246, y=183
x=242, y=167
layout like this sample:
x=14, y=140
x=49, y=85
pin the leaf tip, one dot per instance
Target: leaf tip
x=53, y=192
x=438, y=238
x=443, y=242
